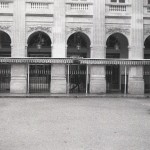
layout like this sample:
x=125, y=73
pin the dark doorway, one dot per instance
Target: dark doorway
x=5, y=69
x=39, y=78
x=78, y=47
x=113, y=75
x=117, y=48
x=147, y=68
x=77, y=78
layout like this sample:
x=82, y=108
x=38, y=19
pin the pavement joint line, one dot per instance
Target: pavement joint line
x=73, y=96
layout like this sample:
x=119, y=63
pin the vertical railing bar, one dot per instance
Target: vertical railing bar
x=125, y=85
x=28, y=79
x=87, y=78
x=68, y=78
x=87, y=73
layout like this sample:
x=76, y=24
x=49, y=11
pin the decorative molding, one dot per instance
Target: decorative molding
x=49, y=60
x=78, y=29
x=146, y=32
x=39, y=28
x=119, y=29
x=5, y=28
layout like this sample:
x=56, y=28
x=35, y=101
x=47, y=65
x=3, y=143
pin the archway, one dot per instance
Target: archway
x=147, y=68
x=5, y=69
x=78, y=46
x=5, y=45
x=117, y=47
x=39, y=45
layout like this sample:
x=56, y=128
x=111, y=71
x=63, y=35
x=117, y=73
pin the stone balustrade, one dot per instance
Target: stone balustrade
x=79, y=7
x=4, y=4
x=118, y=9
x=147, y=9
x=39, y=8
x=36, y=5
x=6, y=7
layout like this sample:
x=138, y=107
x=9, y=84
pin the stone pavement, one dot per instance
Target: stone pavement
x=74, y=124
x=48, y=95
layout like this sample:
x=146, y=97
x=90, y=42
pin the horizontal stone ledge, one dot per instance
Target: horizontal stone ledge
x=35, y=60
x=89, y=61
x=125, y=62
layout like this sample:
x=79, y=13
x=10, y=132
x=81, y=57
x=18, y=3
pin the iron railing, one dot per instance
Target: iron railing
x=78, y=79
x=5, y=75
x=39, y=77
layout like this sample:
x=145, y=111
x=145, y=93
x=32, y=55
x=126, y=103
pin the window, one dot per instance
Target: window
x=148, y=1
x=120, y=1
x=113, y=1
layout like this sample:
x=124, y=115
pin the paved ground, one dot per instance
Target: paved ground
x=74, y=124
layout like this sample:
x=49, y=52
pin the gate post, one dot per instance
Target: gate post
x=18, y=71
x=97, y=72
x=58, y=71
x=97, y=79
x=18, y=82
x=58, y=78
x=136, y=82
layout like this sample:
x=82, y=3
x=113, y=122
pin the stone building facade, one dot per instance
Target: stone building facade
x=102, y=33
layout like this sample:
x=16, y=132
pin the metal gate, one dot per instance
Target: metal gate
x=5, y=75
x=147, y=79
x=112, y=77
x=116, y=78
x=78, y=79
x=39, y=77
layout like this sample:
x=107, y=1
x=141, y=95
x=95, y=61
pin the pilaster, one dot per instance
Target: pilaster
x=58, y=77
x=97, y=81
x=136, y=82
x=18, y=71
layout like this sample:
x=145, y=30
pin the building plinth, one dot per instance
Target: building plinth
x=97, y=78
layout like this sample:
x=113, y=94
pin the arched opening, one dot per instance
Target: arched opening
x=5, y=45
x=78, y=46
x=147, y=68
x=117, y=47
x=39, y=45
x=5, y=69
x=147, y=48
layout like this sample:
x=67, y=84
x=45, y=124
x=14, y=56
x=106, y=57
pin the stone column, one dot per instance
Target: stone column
x=97, y=80
x=136, y=82
x=18, y=71
x=58, y=75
